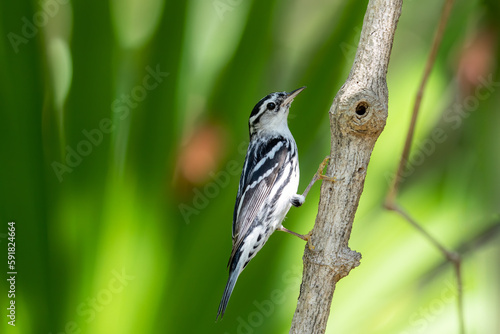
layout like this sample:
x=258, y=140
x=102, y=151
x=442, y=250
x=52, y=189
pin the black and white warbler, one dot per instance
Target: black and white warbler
x=268, y=184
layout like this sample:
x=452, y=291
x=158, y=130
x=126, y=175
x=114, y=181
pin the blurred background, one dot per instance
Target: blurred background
x=124, y=125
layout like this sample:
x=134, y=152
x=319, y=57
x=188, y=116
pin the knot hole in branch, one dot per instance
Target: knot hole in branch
x=359, y=112
x=361, y=108
x=365, y=114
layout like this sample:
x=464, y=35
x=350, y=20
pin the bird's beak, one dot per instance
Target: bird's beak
x=292, y=95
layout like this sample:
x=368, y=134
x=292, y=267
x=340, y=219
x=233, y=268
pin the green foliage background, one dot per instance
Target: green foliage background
x=128, y=208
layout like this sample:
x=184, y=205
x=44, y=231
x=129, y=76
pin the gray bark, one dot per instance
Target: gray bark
x=357, y=117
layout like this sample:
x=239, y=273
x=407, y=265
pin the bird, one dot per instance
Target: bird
x=268, y=184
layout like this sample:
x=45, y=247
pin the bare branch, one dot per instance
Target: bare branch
x=391, y=197
x=357, y=117
x=390, y=201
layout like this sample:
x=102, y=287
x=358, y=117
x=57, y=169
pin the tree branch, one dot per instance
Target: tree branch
x=357, y=117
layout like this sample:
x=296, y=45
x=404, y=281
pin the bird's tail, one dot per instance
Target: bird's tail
x=234, y=271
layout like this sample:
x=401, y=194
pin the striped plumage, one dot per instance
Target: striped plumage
x=268, y=184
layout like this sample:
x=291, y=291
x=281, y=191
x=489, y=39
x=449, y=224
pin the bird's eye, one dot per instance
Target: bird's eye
x=271, y=105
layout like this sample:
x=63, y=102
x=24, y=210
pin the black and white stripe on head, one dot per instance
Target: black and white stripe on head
x=270, y=104
x=273, y=97
x=270, y=114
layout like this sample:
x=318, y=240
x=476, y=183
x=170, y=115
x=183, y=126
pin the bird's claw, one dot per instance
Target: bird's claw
x=307, y=238
x=320, y=174
x=327, y=178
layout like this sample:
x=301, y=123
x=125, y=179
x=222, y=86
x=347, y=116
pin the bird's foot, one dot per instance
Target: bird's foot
x=306, y=237
x=320, y=174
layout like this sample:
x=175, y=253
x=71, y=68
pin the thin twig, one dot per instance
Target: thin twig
x=452, y=257
x=416, y=107
x=473, y=243
x=390, y=201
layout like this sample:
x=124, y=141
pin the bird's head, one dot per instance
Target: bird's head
x=270, y=114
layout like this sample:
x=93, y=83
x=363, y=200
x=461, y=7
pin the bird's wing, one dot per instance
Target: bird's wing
x=263, y=164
